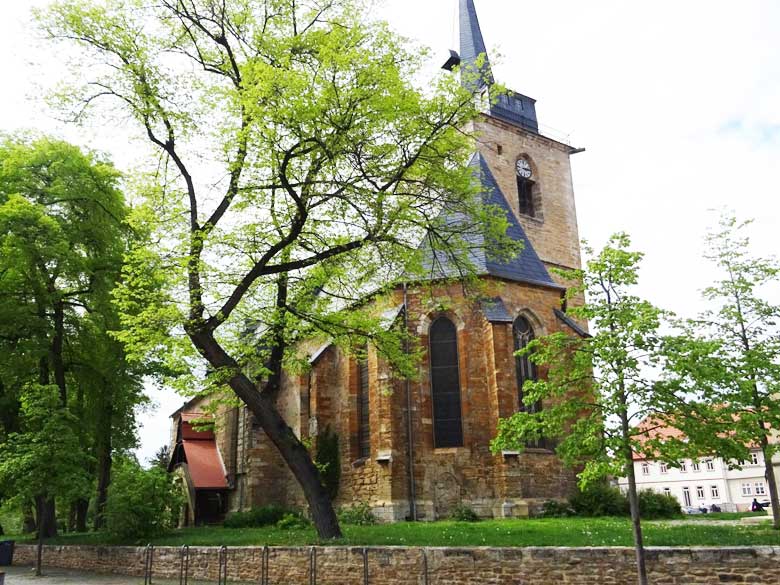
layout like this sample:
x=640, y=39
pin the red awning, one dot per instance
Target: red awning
x=204, y=464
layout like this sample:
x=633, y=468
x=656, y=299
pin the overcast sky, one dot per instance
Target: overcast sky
x=676, y=101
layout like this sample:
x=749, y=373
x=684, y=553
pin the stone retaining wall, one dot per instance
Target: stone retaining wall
x=451, y=566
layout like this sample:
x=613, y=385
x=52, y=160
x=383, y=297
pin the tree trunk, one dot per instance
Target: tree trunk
x=633, y=497
x=769, y=472
x=103, y=447
x=29, y=524
x=47, y=527
x=82, y=508
x=40, y=505
x=293, y=452
x=633, y=500
x=55, y=353
x=47, y=517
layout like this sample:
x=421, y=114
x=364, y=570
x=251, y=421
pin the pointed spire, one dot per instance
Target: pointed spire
x=472, y=45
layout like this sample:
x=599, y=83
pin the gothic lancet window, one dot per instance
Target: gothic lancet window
x=525, y=187
x=525, y=369
x=445, y=384
x=364, y=420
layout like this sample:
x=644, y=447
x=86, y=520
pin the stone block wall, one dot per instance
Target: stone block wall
x=431, y=566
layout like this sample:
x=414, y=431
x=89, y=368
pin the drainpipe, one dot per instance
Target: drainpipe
x=409, y=425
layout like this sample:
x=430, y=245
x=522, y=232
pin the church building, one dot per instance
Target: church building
x=418, y=449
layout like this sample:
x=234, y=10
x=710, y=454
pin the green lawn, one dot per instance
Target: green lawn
x=535, y=532
x=726, y=515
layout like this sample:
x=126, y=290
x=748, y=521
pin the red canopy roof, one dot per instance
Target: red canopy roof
x=204, y=464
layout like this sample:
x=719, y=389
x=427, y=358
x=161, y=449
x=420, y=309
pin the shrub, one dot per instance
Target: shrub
x=556, y=509
x=599, y=500
x=359, y=515
x=142, y=503
x=654, y=505
x=293, y=521
x=256, y=517
x=463, y=513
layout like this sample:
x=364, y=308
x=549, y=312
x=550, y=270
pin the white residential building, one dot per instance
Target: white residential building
x=707, y=481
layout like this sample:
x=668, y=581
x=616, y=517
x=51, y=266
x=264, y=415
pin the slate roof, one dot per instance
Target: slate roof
x=495, y=310
x=472, y=44
x=525, y=267
x=571, y=323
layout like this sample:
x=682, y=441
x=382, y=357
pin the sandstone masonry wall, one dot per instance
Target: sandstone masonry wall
x=418, y=566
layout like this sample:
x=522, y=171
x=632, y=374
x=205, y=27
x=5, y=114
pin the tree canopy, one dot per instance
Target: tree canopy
x=300, y=165
x=63, y=234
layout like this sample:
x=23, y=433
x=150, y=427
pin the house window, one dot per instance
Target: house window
x=714, y=492
x=445, y=384
x=525, y=187
x=710, y=465
x=700, y=492
x=364, y=420
x=683, y=467
x=760, y=490
x=663, y=467
x=667, y=492
x=686, y=496
x=695, y=466
x=754, y=458
x=645, y=469
x=747, y=489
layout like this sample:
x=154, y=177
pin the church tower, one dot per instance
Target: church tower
x=532, y=170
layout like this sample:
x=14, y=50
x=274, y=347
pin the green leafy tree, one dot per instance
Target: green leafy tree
x=161, y=458
x=44, y=459
x=142, y=503
x=300, y=166
x=62, y=239
x=599, y=388
x=728, y=359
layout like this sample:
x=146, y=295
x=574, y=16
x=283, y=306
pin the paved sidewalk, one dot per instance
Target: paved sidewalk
x=26, y=576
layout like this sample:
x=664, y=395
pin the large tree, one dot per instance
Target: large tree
x=300, y=165
x=728, y=360
x=62, y=239
x=599, y=389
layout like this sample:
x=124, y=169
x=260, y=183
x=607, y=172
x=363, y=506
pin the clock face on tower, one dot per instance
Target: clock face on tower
x=523, y=168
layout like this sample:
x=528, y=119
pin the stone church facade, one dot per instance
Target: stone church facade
x=420, y=448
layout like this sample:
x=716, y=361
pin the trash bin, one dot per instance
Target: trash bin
x=6, y=553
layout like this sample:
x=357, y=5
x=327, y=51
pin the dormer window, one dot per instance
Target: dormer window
x=525, y=187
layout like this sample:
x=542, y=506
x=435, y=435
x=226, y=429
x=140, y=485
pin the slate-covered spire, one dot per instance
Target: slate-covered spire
x=472, y=45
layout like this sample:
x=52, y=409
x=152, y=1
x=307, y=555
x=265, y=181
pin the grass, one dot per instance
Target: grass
x=502, y=533
x=725, y=515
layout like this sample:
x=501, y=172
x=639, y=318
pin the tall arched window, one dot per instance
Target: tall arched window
x=523, y=334
x=364, y=417
x=445, y=384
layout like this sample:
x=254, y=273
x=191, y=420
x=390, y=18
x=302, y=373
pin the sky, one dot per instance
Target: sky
x=676, y=103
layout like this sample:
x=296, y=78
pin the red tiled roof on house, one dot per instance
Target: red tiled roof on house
x=655, y=429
